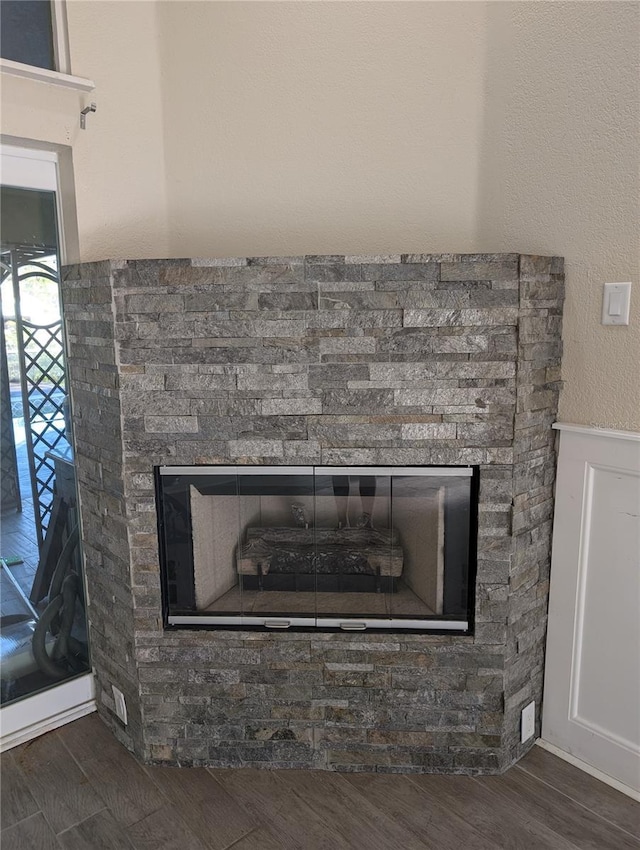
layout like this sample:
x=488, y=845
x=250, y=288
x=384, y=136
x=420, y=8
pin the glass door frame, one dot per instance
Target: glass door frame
x=318, y=621
x=24, y=719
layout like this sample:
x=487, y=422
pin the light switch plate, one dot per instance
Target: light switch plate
x=616, y=298
x=528, y=722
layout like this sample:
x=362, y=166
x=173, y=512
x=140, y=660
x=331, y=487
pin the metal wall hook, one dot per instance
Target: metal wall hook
x=83, y=115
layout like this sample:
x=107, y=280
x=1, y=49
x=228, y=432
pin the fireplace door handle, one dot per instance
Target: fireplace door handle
x=353, y=627
x=277, y=624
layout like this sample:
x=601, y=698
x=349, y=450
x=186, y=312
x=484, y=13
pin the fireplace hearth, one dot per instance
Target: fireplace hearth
x=351, y=369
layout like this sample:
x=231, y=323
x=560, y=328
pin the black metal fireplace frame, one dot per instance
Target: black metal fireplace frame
x=452, y=546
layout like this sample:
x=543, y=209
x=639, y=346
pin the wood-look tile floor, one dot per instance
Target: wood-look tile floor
x=77, y=788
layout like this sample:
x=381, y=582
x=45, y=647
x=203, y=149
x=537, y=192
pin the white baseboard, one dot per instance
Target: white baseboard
x=28, y=718
x=592, y=771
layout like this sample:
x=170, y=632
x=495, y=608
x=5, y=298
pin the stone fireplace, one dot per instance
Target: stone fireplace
x=318, y=361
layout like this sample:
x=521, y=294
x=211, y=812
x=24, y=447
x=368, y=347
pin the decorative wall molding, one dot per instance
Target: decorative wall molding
x=592, y=431
x=592, y=687
x=44, y=75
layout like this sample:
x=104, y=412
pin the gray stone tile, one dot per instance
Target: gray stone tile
x=479, y=270
x=229, y=361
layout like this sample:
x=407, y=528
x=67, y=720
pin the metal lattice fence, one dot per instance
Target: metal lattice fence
x=40, y=356
x=10, y=498
x=46, y=392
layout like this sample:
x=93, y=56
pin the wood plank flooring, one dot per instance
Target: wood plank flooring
x=78, y=789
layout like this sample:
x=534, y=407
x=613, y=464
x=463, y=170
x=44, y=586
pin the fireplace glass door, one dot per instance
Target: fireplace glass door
x=330, y=547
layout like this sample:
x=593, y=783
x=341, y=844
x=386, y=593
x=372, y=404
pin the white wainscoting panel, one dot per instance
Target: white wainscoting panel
x=591, y=708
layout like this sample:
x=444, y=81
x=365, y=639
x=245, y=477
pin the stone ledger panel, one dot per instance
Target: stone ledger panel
x=385, y=360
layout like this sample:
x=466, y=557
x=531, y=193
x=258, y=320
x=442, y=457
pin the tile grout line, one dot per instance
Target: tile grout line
x=387, y=818
x=6, y=829
x=73, y=826
x=242, y=837
x=171, y=803
x=165, y=797
x=267, y=825
x=522, y=804
x=480, y=832
x=92, y=785
x=577, y=802
x=40, y=811
x=106, y=809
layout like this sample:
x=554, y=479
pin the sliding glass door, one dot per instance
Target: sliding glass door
x=43, y=630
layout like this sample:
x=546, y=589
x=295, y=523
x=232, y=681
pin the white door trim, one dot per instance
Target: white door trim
x=28, y=168
x=27, y=718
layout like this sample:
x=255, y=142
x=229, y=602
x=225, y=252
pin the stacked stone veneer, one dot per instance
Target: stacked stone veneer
x=413, y=359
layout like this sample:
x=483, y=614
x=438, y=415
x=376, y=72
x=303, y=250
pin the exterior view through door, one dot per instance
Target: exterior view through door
x=43, y=626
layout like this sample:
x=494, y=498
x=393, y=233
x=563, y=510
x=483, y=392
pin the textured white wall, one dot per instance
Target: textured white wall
x=120, y=177
x=274, y=128
x=322, y=128
x=560, y=174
